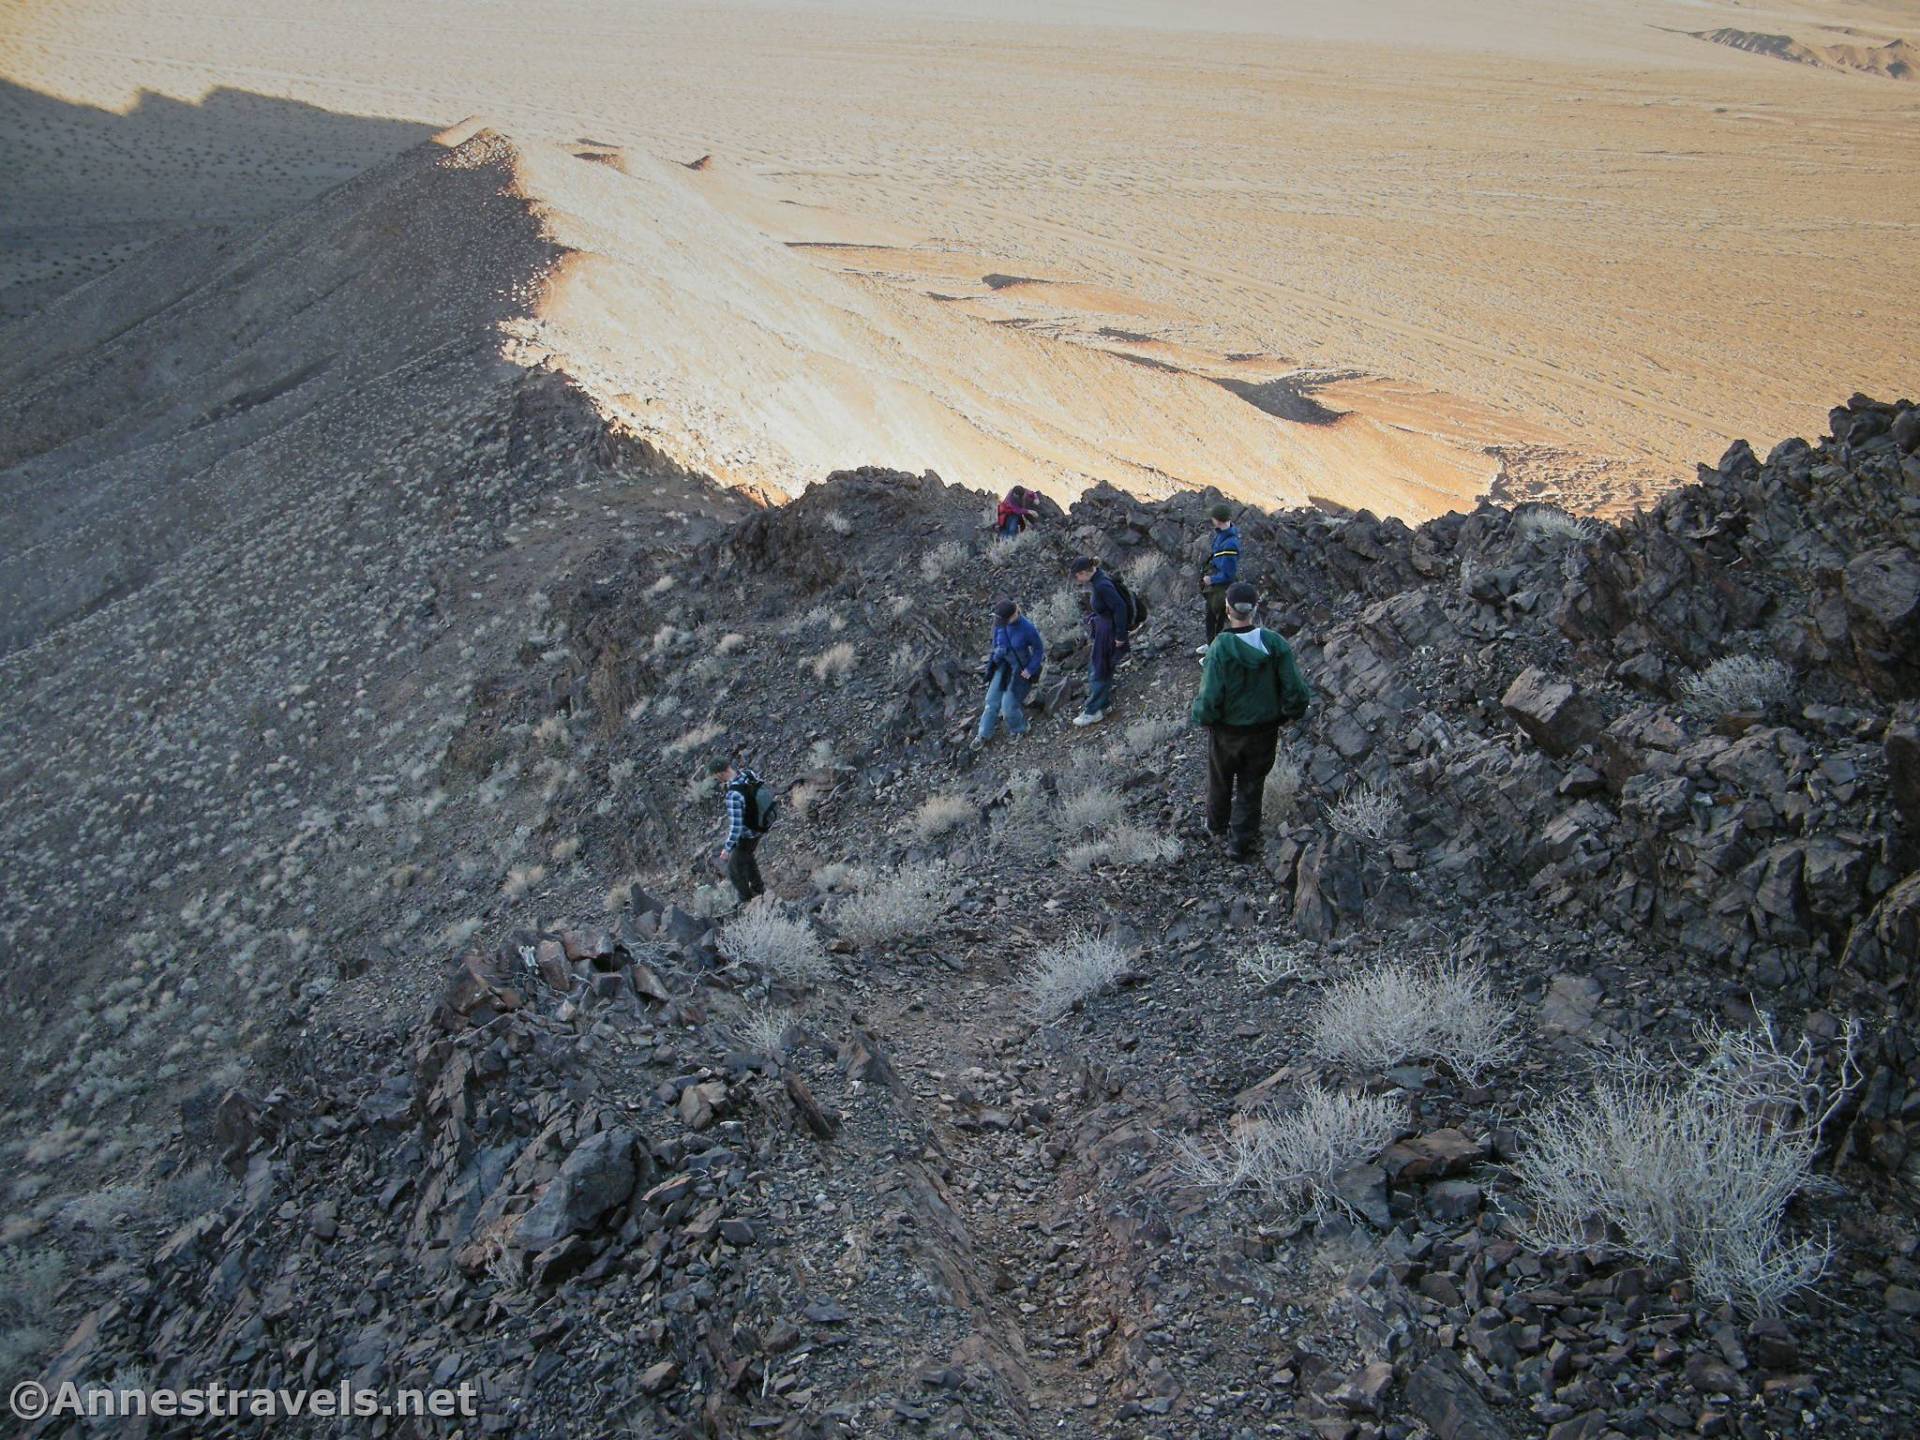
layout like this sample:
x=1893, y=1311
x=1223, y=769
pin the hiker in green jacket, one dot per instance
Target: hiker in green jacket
x=1250, y=687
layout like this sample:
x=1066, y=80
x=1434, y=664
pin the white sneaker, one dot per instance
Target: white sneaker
x=1200, y=650
x=1083, y=719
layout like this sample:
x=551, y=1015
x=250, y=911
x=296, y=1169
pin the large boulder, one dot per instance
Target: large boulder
x=1555, y=715
x=1882, y=592
x=597, y=1178
x=1903, y=764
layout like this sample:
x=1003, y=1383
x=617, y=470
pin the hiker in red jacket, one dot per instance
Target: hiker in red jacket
x=1015, y=511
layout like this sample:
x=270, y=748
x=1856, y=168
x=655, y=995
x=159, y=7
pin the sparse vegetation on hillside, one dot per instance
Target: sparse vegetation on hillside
x=1292, y=1159
x=1396, y=1011
x=782, y=946
x=1369, y=813
x=1071, y=970
x=1738, y=684
x=1692, y=1165
x=897, y=904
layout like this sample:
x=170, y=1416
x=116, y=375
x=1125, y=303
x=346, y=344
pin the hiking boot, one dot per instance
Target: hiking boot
x=1084, y=719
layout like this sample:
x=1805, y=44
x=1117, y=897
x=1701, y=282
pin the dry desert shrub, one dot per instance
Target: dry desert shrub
x=816, y=618
x=804, y=796
x=1071, y=970
x=1368, y=813
x=1691, y=1165
x=1005, y=552
x=730, y=643
x=1123, y=845
x=694, y=738
x=1057, y=616
x=459, y=933
x=833, y=665
x=1281, y=796
x=1290, y=1159
x=1023, y=827
x=30, y=1283
x=1546, y=522
x=838, y=523
x=1088, y=804
x=904, y=661
x=1737, y=685
x=942, y=558
x=939, y=814
x=1442, y=1010
x=521, y=879
x=762, y=1030
x=1275, y=961
x=839, y=876
x=906, y=901
x=774, y=943
x=1144, y=569
x=1143, y=737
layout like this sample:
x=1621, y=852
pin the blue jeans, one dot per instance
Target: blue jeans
x=1010, y=527
x=1004, y=699
x=1099, y=695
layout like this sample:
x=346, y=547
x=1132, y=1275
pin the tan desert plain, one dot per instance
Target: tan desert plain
x=1385, y=253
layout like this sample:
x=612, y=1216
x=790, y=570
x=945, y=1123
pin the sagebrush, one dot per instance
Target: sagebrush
x=1072, y=969
x=1292, y=1158
x=1400, y=1010
x=1737, y=684
x=940, y=813
x=906, y=901
x=1368, y=813
x=780, y=945
x=1691, y=1164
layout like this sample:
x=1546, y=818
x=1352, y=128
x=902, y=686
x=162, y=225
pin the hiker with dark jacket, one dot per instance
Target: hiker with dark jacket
x=1108, y=623
x=1251, y=686
x=1011, y=670
x=1223, y=568
x=746, y=796
x=1015, y=512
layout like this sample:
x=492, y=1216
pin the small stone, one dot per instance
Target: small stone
x=1454, y=1199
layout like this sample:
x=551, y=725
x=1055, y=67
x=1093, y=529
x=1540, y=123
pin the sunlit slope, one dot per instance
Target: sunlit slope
x=735, y=354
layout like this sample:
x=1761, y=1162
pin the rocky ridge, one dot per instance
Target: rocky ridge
x=569, y=1166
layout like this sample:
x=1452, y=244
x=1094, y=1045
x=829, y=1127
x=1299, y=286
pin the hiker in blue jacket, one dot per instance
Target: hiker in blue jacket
x=1108, y=623
x=1223, y=568
x=1011, y=670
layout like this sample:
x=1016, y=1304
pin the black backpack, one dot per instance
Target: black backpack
x=1136, y=604
x=762, y=806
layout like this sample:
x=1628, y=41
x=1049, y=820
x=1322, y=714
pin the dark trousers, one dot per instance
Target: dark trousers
x=1238, y=759
x=744, y=869
x=1216, y=610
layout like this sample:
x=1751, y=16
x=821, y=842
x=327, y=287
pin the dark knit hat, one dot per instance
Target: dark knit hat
x=1082, y=564
x=719, y=765
x=1221, y=512
x=1003, y=612
x=1242, y=596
